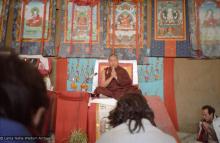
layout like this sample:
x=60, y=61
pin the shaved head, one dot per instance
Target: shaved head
x=113, y=60
x=113, y=55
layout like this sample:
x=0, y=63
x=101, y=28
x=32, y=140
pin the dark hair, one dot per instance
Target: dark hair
x=112, y=55
x=131, y=107
x=22, y=90
x=209, y=108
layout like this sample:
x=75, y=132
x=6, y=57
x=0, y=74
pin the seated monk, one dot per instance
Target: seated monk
x=115, y=81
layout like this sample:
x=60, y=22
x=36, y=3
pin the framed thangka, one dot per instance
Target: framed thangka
x=208, y=27
x=170, y=20
x=125, y=25
x=4, y=5
x=78, y=26
x=33, y=26
x=34, y=19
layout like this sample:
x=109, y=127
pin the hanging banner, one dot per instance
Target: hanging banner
x=170, y=28
x=79, y=26
x=81, y=29
x=33, y=28
x=125, y=24
x=206, y=34
x=170, y=20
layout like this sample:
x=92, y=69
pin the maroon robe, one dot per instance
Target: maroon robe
x=117, y=87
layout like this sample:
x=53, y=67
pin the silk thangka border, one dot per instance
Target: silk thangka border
x=20, y=23
x=77, y=41
x=206, y=50
x=176, y=38
x=110, y=37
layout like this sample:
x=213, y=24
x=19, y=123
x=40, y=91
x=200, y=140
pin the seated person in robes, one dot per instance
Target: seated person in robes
x=115, y=80
x=36, y=19
x=133, y=122
x=209, y=126
x=23, y=99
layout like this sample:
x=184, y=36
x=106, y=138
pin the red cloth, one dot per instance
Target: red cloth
x=169, y=93
x=71, y=114
x=86, y=2
x=61, y=74
x=92, y=123
x=134, y=1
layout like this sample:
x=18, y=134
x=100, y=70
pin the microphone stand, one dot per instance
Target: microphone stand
x=81, y=96
x=86, y=81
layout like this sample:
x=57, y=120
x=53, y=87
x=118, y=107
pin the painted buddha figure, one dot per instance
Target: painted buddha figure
x=35, y=20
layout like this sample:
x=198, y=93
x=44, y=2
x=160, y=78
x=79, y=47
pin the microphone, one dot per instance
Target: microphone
x=87, y=79
x=92, y=75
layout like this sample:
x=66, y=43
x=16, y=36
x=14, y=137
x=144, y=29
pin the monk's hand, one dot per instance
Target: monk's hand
x=205, y=126
x=114, y=74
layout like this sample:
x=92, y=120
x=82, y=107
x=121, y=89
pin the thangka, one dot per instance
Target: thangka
x=34, y=27
x=205, y=34
x=4, y=9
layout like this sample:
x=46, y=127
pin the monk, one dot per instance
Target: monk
x=115, y=80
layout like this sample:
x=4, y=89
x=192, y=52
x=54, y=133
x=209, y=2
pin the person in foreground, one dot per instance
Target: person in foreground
x=23, y=100
x=115, y=80
x=209, y=126
x=133, y=122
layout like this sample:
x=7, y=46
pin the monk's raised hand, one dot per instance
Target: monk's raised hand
x=205, y=126
x=114, y=74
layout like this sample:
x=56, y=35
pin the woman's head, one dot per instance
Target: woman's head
x=22, y=91
x=131, y=107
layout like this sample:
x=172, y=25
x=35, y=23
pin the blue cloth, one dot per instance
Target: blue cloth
x=13, y=132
